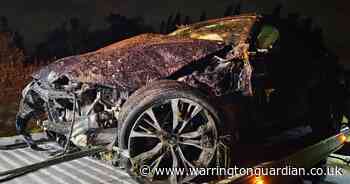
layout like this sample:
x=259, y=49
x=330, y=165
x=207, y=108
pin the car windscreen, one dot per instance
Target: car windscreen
x=228, y=30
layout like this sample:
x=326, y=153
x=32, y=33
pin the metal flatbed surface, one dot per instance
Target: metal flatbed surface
x=81, y=171
x=88, y=170
x=306, y=158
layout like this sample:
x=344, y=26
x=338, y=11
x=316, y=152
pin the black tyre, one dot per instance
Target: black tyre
x=168, y=125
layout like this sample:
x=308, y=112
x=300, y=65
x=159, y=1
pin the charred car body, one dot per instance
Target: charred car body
x=165, y=100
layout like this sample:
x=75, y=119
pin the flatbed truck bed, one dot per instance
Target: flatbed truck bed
x=303, y=152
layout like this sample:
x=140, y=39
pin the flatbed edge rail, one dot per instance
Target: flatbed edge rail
x=305, y=158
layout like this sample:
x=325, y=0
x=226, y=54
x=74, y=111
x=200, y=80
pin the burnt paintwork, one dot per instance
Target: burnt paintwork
x=130, y=64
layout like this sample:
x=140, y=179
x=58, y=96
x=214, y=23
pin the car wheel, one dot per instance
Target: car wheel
x=168, y=125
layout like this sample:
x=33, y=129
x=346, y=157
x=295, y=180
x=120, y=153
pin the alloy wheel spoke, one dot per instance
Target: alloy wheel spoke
x=194, y=143
x=196, y=110
x=148, y=134
x=193, y=134
x=183, y=125
x=152, y=125
x=173, y=178
x=185, y=162
x=155, y=165
x=145, y=129
x=176, y=112
x=149, y=153
x=150, y=113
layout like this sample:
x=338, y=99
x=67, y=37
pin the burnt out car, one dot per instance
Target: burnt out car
x=183, y=99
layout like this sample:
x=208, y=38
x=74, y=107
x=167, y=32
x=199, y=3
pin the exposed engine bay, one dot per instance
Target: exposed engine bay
x=91, y=110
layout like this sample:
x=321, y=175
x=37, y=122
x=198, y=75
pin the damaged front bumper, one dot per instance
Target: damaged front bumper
x=82, y=110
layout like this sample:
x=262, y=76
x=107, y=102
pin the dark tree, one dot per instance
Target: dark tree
x=238, y=8
x=15, y=37
x=177, y=19
x=67, y=39
x=203, y=16
x=9, y=52
x=123, y=27
x=74, y=37
x=169, y=26
x=4, y=26
x=187, y=20
x=162, y=27
x=277, y=11
x=18, y=40
x=228, y=11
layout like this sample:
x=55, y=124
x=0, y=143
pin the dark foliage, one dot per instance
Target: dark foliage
x=73, y=37
x=203, y=16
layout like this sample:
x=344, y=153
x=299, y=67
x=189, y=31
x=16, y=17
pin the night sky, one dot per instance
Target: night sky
x=33, y=18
